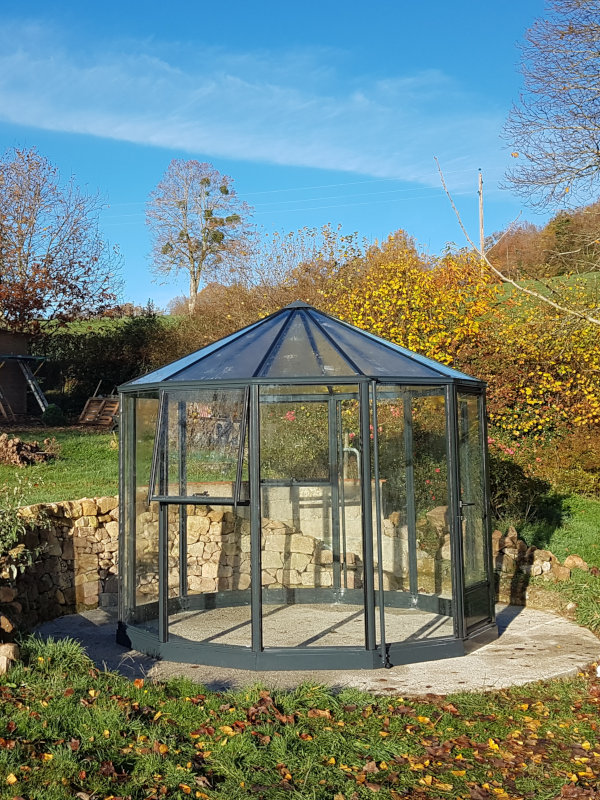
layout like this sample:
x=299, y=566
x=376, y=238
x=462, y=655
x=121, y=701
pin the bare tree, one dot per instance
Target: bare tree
x=54, y=265
x=199, y=225
x=555, y=128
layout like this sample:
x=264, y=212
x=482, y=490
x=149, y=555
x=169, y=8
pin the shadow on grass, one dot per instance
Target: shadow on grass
x=529, y=504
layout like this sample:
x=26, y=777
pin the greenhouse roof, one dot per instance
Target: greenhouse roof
x=300, y=342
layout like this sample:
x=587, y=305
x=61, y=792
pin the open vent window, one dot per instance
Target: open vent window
x=201, y=447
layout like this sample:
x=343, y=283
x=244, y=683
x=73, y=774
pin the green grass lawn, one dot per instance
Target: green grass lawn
x=69, y=731
x=576, y=530
x=87, y=466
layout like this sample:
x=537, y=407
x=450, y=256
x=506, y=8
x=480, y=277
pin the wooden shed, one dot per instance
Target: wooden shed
x=17, y=376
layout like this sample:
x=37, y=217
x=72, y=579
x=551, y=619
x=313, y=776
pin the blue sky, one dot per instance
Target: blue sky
x=320, y=111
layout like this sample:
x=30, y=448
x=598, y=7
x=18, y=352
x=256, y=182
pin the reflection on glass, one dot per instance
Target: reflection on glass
x=293, y=438
x=430, y=468
x=146, y=515
x=204, y=450
x=415, y=534
x=471, y=489
x=311, y=537
x=209, y=573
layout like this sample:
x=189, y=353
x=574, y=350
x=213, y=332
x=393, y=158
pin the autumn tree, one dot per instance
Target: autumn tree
x=54, y=264
x=431, y=306
x=198, y=225
x=554, y=129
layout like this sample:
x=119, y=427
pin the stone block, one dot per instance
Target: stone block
x=561, y=573
x=210, y=569
x=106, y=504
x=301, y=544
x=576, y=562
x=272, y=559
x=9, y=653
x=198, y=526
x=7, y=594
x=241, y=582
x=289, y=577
x=324, y=557
x=438, y=519
x=224, y=571
x=298, y=561
x=89, y=507
x=275, y=542
x=216, y=515
x=85, y=561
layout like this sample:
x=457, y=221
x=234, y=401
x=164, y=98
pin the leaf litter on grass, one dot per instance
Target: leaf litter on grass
x=68, y=730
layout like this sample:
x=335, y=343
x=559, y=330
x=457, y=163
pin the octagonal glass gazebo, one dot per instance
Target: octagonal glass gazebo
x=303, y=494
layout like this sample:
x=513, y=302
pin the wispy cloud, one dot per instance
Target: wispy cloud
x=294, y=108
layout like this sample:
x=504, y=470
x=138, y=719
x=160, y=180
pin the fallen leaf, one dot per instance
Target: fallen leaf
x=319, y=712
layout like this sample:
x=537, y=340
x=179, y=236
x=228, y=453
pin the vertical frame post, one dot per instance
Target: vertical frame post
x=378, y=512
x=255, y=520
x=411, y=511
x=456, y=539
x=481, y=405
x=182, y=442
x=127, y=507
x=163, y=572
x=367, y=515
x=334, y=478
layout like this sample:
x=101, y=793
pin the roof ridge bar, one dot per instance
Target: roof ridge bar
x=313, y=344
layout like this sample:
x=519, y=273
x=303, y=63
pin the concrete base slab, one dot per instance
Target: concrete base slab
x=532, y=646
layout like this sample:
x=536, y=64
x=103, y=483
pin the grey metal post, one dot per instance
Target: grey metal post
x=456, y=540
x=182, y=436
x=163, y=572
x=334, y=468
x=255, y=520
x=367, y=516
x=487, y=522
x=411, y=511
x=381, y=594
x=127, y=507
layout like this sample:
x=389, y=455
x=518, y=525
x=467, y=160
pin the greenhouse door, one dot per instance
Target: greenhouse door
x=473, y=509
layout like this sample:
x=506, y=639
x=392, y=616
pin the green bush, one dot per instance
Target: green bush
x=54, y=416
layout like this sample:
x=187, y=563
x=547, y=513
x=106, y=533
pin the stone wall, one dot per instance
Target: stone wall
x=76, y=565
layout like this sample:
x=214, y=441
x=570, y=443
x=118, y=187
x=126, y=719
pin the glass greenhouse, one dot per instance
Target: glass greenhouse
x=303, y=494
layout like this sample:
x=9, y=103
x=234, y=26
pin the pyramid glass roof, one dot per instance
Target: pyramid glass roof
x=300, y=342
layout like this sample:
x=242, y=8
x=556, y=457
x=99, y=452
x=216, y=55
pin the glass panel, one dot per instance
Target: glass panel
x=201, y=432
x=238, y=359
x=146, y=515
x=302, y=559
x=430, y=465
x=415, y=536
x=209, y=573
x=293, y=435
x=372, y=357
x=350, y=500
x=302, y=350
x=472, y=489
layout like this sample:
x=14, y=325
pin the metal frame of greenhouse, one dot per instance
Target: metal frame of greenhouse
x=396, y=588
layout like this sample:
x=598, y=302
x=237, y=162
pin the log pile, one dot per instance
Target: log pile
x=16, y=452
